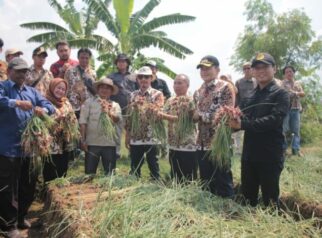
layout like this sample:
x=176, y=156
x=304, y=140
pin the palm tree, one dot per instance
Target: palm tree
x=80, y=33
x=131, y=30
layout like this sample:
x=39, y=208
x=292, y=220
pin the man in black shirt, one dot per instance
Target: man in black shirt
x=157, y=83
x=262, y=157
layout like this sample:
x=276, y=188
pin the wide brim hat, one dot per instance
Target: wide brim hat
x=106, y=81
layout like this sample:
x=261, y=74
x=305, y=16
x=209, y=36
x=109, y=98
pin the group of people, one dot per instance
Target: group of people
x=70, y=90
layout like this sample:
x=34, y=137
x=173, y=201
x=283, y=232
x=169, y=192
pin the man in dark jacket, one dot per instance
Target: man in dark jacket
x=262, y=157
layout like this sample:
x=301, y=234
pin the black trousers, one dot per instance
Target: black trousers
x=17, y=189
x=57, y=167
x=183, y=165
x=108, y=155
x=217, y=181
x=137, y=153
x=265, y=175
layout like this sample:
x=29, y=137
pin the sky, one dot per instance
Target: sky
x=215, y=30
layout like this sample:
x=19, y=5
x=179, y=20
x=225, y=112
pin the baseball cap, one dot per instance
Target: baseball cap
x=13, y=51
x=145, y=70
x=151, y=63
x=18, y=63
x=39, y=51
x=263, y=58
x=208, y=61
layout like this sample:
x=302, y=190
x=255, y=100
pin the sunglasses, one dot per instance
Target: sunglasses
x=144, y=76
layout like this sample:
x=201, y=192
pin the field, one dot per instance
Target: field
x=122, y=206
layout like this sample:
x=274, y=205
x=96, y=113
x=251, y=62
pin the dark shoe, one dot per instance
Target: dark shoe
x=25, y=224
x=13, y=233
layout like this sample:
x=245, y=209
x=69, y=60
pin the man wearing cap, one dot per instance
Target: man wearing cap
x=94, y=142
x=18, y=102
x=3, y=65
x=80, y=79
x=38, y=77
x=212, y=94
x=12, y=53
x=59, y=68
x=292, y=120
x=245, y=85
x=158, y=83
x=141, y=141
x=262, y=157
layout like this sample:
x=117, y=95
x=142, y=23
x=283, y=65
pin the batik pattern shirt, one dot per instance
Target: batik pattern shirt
x=57, y=67
x=78, y=92
x=209, y=98
x=60, y=144
x=172, y=107
x=151, y=97
x=291, y=87
x=43, y=84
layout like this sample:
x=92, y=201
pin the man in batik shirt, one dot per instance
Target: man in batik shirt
x=212, y=94
x=140, y=140
x=38, y=77
x=182, y=141
x=80, y=80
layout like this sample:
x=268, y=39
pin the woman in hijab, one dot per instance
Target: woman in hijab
x=63, y=144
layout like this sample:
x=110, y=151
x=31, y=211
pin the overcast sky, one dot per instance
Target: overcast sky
x=214, y=31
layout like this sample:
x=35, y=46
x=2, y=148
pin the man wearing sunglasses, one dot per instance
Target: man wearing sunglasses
x=142, y=141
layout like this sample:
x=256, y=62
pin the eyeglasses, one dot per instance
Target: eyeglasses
x=144, y=76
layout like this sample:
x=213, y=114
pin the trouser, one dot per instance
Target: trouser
x=17, y=189
x=292, y=124
x=261, y=174
x=57, y=167
x=93, y=155
x=137, y=153
x=217, y=181
x=183, y=165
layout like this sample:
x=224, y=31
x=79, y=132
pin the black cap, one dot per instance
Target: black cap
x=39, y=51
x=122, y=57
x=208, y=61
x=263, y=58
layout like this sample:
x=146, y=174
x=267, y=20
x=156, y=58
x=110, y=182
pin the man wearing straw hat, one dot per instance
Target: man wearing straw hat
x=262, y=156
x=18, y=102
x=94, y=141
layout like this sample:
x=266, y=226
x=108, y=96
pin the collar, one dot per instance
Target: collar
x=12, y=84
x=211, y=83
x=32, y=68
x=268, y=87
x=148, y=91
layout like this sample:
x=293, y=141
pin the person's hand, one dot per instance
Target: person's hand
x=235, y=124
x=84, y=146
x=39, y=111
x=127, y=141
x=24, y=105
x=196, y=116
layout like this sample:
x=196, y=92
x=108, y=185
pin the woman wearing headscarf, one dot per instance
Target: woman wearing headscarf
x=64, y=134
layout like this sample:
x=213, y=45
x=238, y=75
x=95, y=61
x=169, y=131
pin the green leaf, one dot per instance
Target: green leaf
x=43, y=26
x=166, y=20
